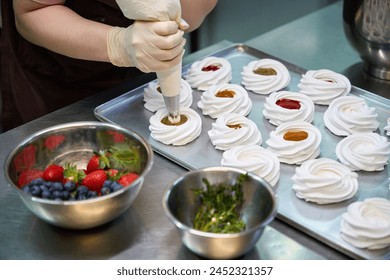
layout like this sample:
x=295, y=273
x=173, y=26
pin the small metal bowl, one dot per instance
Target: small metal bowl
x=75, y=143
x=259, y=209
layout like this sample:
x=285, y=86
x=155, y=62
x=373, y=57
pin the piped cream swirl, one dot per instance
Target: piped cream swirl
x=201, y=80
x=364, y=151
x=277, y=78
x=324, y=181
x=225, y=98
x=295, y=152
x=323, y=85
x=231, y=130
x=154, y=99
x=350, y=114
x=366, y=224
x=255, y=159
x=176, y=135
x=278, y=115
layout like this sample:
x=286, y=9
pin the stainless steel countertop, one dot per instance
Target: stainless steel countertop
x=143, y=232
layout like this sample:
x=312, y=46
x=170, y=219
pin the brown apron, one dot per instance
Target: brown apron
x=35, y=81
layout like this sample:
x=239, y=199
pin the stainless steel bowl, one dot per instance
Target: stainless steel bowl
x=259, y=209
x=75, y=143
x=367, y=27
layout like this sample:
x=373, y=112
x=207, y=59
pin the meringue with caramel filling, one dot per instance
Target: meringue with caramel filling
x=366, y=224
x=209, y=71
x=255, y=159
x=225, y=98
x=154, y=99
x=187, y=130
x=232, y=129
x=364, y=151
x=323, y=85
x=350, y=114
x=324, y=181
x=295, y=142
x=265, y=76
x=285, y=106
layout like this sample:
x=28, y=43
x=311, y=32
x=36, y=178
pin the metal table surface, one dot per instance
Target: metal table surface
x=143, y=232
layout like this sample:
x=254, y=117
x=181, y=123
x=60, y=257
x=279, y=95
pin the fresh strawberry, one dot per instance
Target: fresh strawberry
x=113, y=174
x=127, y=179
x=98, y=161
x=93, y=164
x=94, y=180
x=53, y=173
x=28, y=175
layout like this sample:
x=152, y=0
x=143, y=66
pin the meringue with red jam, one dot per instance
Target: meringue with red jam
x=265, y=76
x=324, y=85
x=255, y=159
x=295, y=142
x=366, y=224
x=324, y=181
x=230, y=130
x=364, y=151
x=286, y=106
x=154, y=99
x=209, y=71
x=347, y=115
x=177, y=134
x=225, y=98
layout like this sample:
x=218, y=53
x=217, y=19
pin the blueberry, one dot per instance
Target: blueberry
x=82, y=190
x=81, y=197
x=43, y=187
x=58, y=186
x=92, y=194
x=27, y=189
x=57, y=194
x=38, y=181
x=46, y=194
x=65, y=195
x=36, y=190
x=107, y=183
x=116, y=187
x=105, y=191
x=70, y=186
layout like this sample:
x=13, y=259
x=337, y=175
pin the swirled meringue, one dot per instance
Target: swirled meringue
x=231, y=130
x=350, y=114
x=201, y=80
x=255, y=159
x=213, y=105
x=324, y=181
x=176, y=135
x=278, y=115
x=278, y=79
x=366, y=224
x=364, y=151
x=154, y=99
x=387, y=127
x=323, y=85
x=295, y=152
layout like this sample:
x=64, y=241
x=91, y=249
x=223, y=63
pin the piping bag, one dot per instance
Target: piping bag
x=162, y=10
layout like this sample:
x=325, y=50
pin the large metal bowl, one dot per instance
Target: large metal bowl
x=75, y=143
x=259, y=209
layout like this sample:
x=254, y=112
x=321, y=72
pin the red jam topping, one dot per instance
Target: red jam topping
x=212, y=67
x=289, y=104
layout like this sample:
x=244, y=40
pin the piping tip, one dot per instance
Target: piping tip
x=172, y=104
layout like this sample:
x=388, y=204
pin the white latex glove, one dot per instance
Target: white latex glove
x=151, y=10
x=150, y=46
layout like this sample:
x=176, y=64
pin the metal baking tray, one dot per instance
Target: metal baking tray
x=320, y=221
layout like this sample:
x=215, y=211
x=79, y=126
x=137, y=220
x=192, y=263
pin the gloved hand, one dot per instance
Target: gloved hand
x=151, y=46
x=151, y=10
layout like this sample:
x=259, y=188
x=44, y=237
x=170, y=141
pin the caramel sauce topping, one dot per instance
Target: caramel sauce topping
x=159, y=89
x=225, y=93
x=166, y=121
x=234, y=126
x=295, y=135
x=265, y=71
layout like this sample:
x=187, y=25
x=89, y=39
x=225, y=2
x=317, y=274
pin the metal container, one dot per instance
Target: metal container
x=367, y=27
x=259, y=209
x=75, y=143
